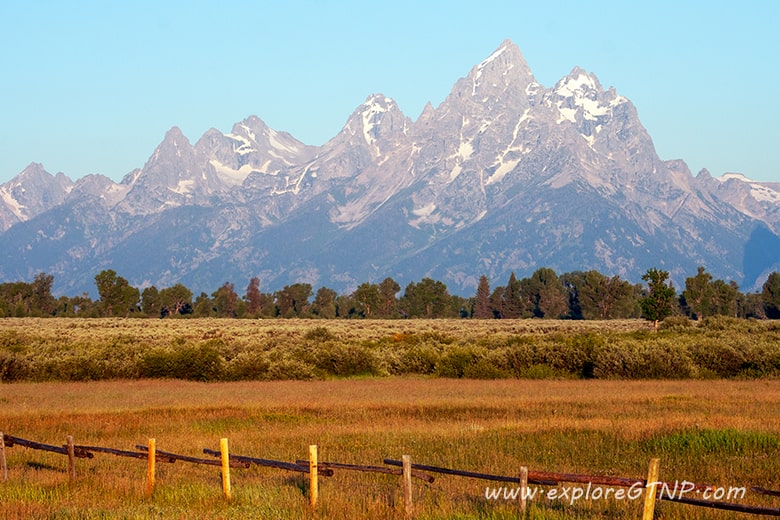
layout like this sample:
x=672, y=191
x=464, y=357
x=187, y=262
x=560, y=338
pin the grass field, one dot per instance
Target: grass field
x=721, y=432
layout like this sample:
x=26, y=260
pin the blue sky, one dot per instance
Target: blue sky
x=92, y=86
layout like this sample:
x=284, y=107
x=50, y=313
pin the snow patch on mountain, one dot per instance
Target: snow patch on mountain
x=233, y=177
x=13, y=205
x=764, y=194
x=371, y=117
x=273, y=139
x=245, y=145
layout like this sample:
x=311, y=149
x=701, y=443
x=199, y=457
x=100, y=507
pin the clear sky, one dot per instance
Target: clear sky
x=92, y=86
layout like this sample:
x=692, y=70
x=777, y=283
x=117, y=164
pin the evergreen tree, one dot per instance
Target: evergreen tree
x=225, y=301
x=254, y=298
x=388, y=294
x=724, y=298
x=368, y=299
x=324, y=304
x=427, y=299
x=482, y=303
x=117, y=297
x=497, y=302
x=151, y=305
x=698, y=294
x=293, y=300
x=602, y=298
x=658, y=302
x=43, y=303
x=203, y=307
x=512, y=302
x=546, y=293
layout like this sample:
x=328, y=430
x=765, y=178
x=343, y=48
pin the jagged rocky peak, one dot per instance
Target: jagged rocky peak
x=266, y=138
x=170, y=159
x=174, y=175
x=35, y=175
x=377, y=124
x=35, y=187
x=501, y=84
x=579, y=96
x=505, y=67
x=30, y=193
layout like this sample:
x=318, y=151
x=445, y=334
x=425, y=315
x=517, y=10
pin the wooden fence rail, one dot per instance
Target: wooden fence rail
x=120, y=453
x=546, y=478
x=300, y=467
x=724, y=506
x=194, y=460
x=408, y=470
x=371, y=469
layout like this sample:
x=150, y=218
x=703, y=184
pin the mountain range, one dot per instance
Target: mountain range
x=505, y=175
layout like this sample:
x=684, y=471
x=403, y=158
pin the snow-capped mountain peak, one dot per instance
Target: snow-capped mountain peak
x=580, y=96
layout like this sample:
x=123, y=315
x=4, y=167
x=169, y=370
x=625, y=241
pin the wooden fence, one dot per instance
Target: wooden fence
x=404, y=468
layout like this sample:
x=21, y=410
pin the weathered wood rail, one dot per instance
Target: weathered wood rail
x=371, y=469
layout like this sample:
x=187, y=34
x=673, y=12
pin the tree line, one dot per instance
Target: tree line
x=588, y=295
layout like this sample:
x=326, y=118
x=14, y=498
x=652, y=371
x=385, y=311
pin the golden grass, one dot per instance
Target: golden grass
x=720, y=432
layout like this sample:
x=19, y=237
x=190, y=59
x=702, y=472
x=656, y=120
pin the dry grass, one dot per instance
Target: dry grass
x=720, y=432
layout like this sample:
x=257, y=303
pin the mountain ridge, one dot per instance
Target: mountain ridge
x=504, y=175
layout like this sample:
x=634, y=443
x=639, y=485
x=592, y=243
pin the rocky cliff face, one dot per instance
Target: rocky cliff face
x=505, y=175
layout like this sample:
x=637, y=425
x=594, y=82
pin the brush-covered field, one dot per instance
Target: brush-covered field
x=704, y=405
x=236, y=350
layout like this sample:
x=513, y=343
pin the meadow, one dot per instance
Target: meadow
x=709, y=427
x=717, y=432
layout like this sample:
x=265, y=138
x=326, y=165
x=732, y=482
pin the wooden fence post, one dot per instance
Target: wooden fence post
x=151, y=458
x=71, y=458
x=3, y=463
x=652, y=482
x=313, y=485
x=523, y=490
x=223, y=448
x=407, y=483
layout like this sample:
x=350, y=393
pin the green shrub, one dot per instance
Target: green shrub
x=493, y=365
x=12, y=367
x=663, y=361
x=319, y=335
x=615, y=361
x=721, y=323
x=345, y=360
x=419, y=359
x=676, y=323
x=454, y=361
x=196, y=363
x=247, y=366
x=290, y=368
x=717, y=357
